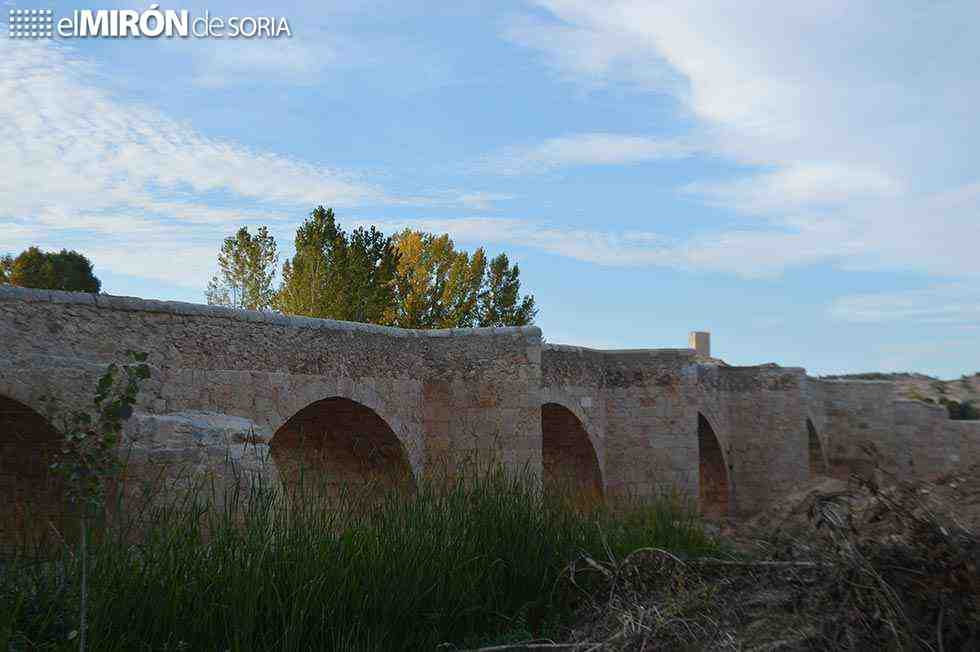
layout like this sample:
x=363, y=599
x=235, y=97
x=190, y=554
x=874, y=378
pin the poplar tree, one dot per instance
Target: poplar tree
x=440, y=287
x=437, y=286
x=246, y=269
x=501, y=303
x=336, y=275
x=412, y=280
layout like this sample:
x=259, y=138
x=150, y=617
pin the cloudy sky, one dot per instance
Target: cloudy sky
x=800, y=178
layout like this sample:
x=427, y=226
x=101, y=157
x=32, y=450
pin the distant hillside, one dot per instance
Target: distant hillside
x=965, y=389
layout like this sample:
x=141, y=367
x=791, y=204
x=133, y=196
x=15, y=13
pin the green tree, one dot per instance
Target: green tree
x=969, y=412
x=31, y=269
x=368, y=263
x=63, y=270
x=247, y=268
x=501, y=303
x=436, y=286
x=336, y=275
x=441, y=287
x=88, y=461
x=71, y=270
x=304, y=278
x=413, y=279
x=964, y=411
x=6, y=267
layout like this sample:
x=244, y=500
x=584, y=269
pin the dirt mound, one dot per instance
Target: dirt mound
x=956, y=494
x=866, y=564
x=960, y=488
x=792, y=508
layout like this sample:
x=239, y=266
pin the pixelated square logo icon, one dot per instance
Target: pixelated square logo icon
x=30, y=23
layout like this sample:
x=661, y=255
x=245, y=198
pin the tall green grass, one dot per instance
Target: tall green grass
x=270, y=569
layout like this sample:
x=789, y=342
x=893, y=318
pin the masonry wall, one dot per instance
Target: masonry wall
x=766, y=416
x=652, y=420
x=222, y=376
x=644, y=409
x=479, y=396
x=848, y=413
x=227, y=381
x=757, y=414
x=912, y=439
x=571, y=378
x=928, y=443
x=966, y=435
x=636, y=409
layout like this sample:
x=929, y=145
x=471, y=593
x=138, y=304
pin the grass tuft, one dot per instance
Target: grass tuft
x=451, y=563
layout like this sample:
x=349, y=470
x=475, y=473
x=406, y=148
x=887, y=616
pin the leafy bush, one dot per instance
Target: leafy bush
x=969, y=412
x=964, y=411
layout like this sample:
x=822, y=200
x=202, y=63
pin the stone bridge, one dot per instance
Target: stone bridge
x=361, y=401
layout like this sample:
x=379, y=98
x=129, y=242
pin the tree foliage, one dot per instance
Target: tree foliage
x=246, y=270
x=501, y=303
x=88, y=460
x=439, y=286
x=336, y=275
x=412, y=279
x=49, y=270
x=88, y=457
x=964, y=411
x=6, y=267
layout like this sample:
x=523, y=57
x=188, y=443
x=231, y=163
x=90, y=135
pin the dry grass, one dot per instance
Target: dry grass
x=870, y=568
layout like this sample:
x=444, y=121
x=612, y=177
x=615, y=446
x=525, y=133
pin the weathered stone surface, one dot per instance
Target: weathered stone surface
x=224, y=378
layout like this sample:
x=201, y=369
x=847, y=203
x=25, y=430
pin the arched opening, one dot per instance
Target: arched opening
x=337, y=445
x=31, y=496
x=569, y=461
x=818, y=464
x=713, y=495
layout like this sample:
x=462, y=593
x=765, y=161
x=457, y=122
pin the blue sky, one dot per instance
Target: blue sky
x=801, y=179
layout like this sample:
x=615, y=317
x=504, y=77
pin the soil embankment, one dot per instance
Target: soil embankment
x=835, y=565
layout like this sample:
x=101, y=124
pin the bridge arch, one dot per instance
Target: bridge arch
x=817, y=463
x=338, y=442
x=569, y=458
x=716, y=491
x=593, y=428
x=30, y=493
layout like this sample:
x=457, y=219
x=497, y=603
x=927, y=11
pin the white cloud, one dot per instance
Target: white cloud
x=297, y=61
x=604, y=248
x=81, y=168
x=585, y=149
x=64, y=137
x=482, y=201
x=744, y=253
x=953, y=303
x=852, y=121
x=798, y=185
x=856, y=130
x=581, y=49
